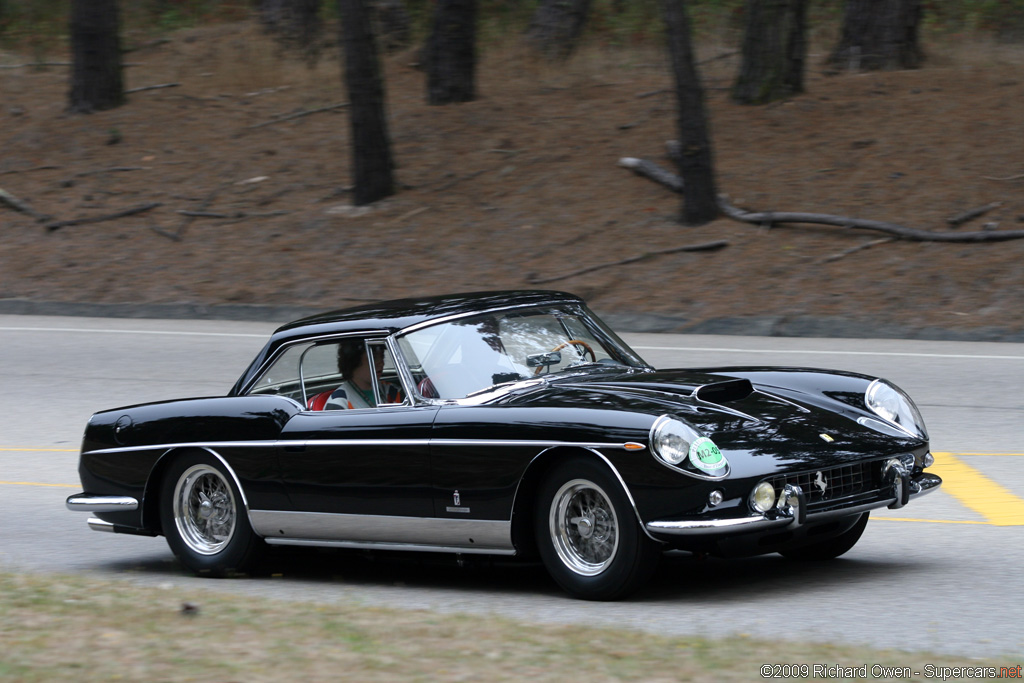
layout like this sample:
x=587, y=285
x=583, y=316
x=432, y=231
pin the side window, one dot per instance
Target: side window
x=340, y=374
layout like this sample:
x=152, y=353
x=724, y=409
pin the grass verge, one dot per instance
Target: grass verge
x=63, y=628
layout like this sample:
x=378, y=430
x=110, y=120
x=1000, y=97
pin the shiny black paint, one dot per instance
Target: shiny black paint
x=411, y=461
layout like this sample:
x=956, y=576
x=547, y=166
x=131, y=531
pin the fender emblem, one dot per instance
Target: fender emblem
x=827, y=438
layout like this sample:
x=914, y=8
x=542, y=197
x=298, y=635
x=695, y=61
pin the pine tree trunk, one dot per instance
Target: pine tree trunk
x=451, y=53
x=557, y=25
x=700, y=199
x=371, y=147
x=774, y=48
x=96, y=81
x=879, y=34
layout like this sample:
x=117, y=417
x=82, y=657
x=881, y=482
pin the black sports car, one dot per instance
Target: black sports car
x=503, y=423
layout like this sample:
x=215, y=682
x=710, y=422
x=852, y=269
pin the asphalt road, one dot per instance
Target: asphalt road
x=941, y=575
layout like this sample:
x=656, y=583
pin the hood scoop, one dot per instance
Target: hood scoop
x=724, y=392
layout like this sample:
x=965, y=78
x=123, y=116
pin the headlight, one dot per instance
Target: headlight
x=671, y=439
x=674, y=442
x=895, y=407
x=762, y=498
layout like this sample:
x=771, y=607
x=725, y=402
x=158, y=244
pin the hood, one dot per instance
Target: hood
x=778, y=419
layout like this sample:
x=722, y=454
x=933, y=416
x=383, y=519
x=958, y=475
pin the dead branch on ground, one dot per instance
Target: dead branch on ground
x=152, y=87
x=653, y=171
x=289, y=117
x=18, y=205
x=57, y=225
x=854, y=250
x=971, y=214
x=706, y=246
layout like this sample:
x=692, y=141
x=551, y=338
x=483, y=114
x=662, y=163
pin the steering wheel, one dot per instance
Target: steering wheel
x=572, y=342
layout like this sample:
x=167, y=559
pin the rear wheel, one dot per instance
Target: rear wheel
x=833, y=547
x=588, y=535
x=203, y=517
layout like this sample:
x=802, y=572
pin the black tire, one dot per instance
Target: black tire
x=832, y=548
x=588, y=535
x=204, y=519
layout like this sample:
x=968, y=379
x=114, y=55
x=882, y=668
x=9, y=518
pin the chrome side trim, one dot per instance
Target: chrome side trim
x=83, y=502
x=100, y=525
x=208, y=445
x=370, y=545
x=461, y=535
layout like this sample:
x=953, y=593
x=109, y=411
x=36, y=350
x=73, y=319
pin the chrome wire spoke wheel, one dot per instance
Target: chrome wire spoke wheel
x=204, y=509
x=584, y=527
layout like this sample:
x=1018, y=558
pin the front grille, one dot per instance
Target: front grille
x=834, y=483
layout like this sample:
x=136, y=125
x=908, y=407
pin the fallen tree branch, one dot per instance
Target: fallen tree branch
x=653, y=171
x=289, y=117
x=10, y=200
x=237, y=214
x=57, y=225
x=971, y=214
x=900, y=231
x=854, y=250
x=706, y=246
x=152, y=87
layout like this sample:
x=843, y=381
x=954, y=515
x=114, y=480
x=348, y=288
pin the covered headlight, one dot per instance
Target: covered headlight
x=677, y=444
x=892, y=405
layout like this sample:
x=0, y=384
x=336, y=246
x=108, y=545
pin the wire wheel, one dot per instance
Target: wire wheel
x=204, y=510
x=584, y=527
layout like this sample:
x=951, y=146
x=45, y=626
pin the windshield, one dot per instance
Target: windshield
x=457, y=358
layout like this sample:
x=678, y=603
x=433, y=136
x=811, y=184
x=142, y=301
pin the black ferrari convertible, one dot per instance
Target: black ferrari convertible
x=503, y=423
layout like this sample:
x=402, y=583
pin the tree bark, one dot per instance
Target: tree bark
x=295, y=23
x=451, y=53
x=700, y=201
x=394, y=30
x=96, y=80
x=879, y=34
x=774, y=48
x=371, y=147
x=556, y=26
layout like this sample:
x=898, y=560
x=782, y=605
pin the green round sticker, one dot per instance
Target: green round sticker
x=705, y=456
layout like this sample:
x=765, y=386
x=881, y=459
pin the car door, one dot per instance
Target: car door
x=361, y=447
x=371, y=461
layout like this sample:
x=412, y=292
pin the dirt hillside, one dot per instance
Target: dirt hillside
x=519, y=188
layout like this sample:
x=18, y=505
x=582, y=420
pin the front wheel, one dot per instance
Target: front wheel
x=833, y=547
x=203, y=517
x=588, y=535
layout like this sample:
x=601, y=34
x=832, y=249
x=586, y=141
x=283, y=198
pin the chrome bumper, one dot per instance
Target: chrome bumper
x=791, y=510
x=84, y=502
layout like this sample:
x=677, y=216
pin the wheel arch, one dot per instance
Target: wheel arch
x=151, y=495
x=525, y=502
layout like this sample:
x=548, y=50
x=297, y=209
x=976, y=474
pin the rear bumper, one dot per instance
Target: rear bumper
x=792, y=512
x=84, y=502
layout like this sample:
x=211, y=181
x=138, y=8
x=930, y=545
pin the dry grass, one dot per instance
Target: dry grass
x=63, y=628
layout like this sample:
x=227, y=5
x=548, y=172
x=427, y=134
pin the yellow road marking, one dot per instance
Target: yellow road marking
x=976, y=491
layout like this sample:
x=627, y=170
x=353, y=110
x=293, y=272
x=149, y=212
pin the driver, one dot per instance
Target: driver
x=356, y=391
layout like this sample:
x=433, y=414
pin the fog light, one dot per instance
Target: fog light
x=763, y=497
x=715, y=498
x=928, y=460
